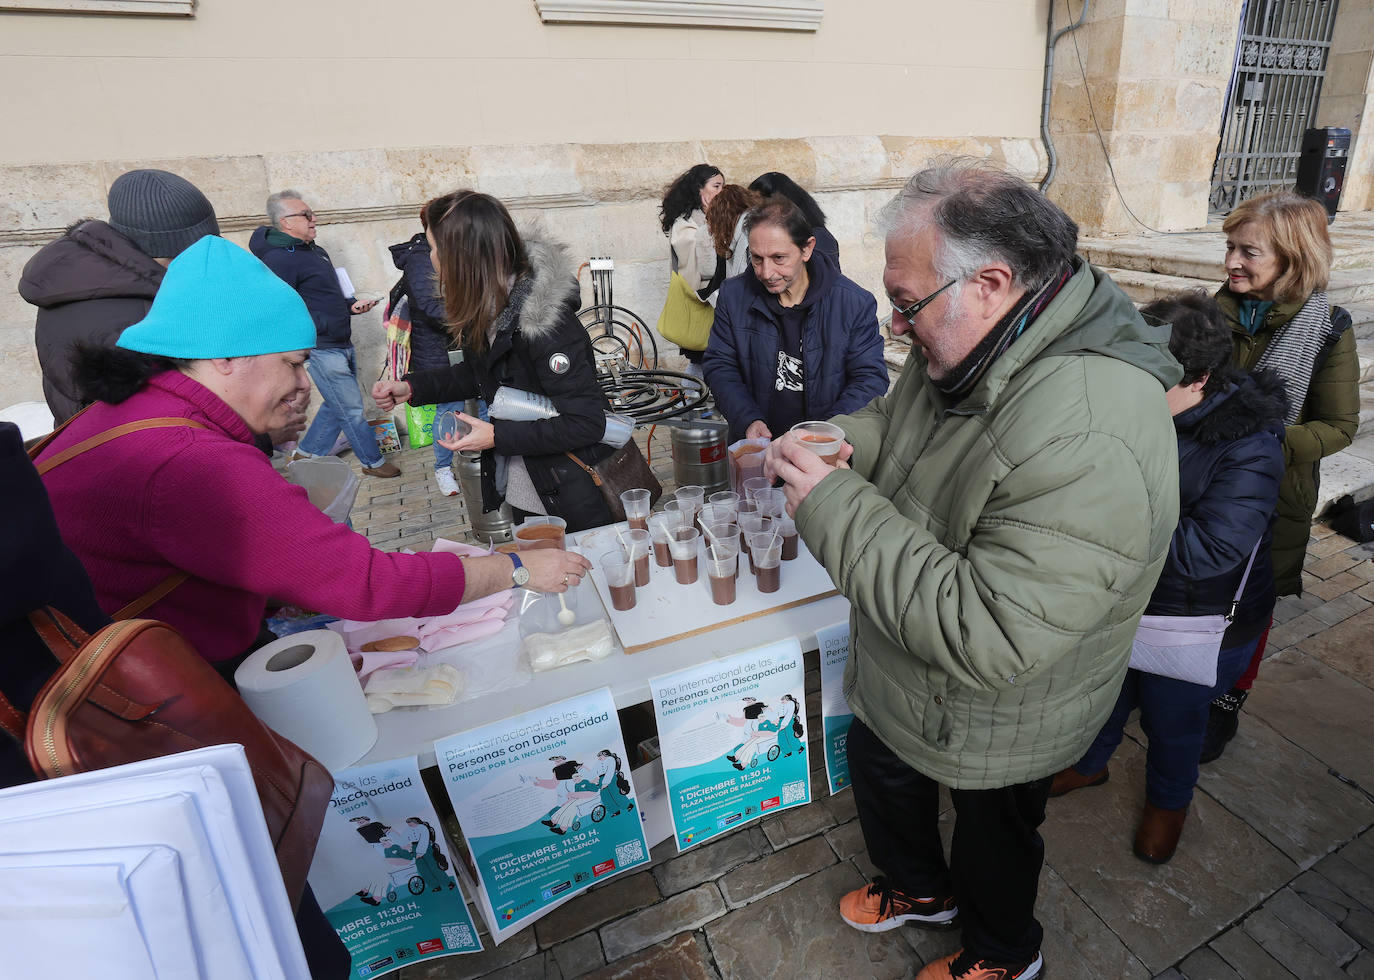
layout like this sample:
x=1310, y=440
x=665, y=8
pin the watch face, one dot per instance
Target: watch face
x=520, y=576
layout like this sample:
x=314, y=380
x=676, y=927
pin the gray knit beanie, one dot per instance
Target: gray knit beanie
x=161, y=213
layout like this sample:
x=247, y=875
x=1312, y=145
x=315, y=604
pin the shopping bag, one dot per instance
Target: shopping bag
x=420, y=425
x=686, y=318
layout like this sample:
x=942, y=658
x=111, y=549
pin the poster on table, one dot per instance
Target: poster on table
x=733, y=738
x=835, y=714
x=546, y=806
x=384, y=871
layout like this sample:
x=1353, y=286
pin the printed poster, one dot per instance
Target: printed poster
x=546, y=804
x=733, y=738
x=835, y=713
x=384, y=872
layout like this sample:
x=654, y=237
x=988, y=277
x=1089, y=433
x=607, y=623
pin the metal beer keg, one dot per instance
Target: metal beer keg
x=699, y=456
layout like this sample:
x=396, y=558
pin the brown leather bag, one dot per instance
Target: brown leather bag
x=137, y=690
x=625, y=469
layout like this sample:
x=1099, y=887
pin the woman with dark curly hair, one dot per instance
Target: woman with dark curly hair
x=774, y=184
x=1230, y=462
x=1278, y=264
x=725, y=219
x=692, y=253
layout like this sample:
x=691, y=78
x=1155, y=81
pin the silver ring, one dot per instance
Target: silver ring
x=565, y=578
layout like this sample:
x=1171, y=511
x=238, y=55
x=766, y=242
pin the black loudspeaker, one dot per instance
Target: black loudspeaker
x=1321, y=168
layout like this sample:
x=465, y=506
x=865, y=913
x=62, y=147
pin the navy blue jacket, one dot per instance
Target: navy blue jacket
x=429, y=338
x=842, y=350
x=1230, y=463
x=307, y=268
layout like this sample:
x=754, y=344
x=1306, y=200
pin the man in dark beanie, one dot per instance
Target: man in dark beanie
x=101, y=277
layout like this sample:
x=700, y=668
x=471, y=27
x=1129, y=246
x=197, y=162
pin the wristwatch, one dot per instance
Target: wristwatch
x=520, y=575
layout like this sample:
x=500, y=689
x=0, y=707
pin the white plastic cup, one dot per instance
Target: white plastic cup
x=661, y=528
x=772, y=502
x=515, y=405
x=449, y=426
x=766, y=549
x=691, y=497
x=636, y=504
x=683, y=547
x=620, y=578
x=636, y=545
x=751, y=486
x=821, y=438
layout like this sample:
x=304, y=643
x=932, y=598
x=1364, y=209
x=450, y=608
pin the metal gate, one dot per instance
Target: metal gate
x=1280, y=63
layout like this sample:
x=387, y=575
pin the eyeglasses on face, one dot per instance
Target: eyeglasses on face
x=908, y=313
x=307, y=214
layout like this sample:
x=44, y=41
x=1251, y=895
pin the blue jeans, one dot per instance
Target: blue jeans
x=1173, y=714
x=335, y=373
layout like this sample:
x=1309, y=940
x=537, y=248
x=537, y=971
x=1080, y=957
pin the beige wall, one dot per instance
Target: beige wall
x=1348, y=97
x=256, y=76
x=582, y=126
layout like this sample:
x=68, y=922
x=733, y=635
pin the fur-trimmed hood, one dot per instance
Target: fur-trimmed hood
x=553, y=281
x=91, y=261
x=1252, y=403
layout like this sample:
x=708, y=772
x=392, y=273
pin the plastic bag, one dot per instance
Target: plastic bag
x=420, y=425
x=746, y=460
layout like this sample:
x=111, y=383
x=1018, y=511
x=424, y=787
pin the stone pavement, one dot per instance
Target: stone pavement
x=1274, y=879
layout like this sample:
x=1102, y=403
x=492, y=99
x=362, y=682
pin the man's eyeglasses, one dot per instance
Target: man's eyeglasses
x=307, y=214
x=908, y=313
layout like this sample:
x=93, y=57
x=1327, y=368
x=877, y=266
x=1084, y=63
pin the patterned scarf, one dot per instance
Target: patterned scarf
x=1292, y=351
x=960, y=381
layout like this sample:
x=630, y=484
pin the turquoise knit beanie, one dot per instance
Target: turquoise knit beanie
x=218, y=300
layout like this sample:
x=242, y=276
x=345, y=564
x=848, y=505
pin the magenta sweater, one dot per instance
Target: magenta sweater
x=207, y=501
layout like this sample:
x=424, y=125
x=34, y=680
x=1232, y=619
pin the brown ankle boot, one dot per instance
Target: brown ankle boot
x=1157, y=837
x=1070, y=779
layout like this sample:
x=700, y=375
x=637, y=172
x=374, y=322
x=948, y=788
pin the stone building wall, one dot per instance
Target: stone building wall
x=600, y=198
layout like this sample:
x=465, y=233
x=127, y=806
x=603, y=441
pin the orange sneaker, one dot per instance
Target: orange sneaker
x=879, y=907
x=962, y=966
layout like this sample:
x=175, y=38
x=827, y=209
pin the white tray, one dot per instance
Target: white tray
x=666, y=611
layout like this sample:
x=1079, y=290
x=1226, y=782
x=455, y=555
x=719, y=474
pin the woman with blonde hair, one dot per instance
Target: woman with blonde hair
x=1278, y=265
x=511, y=302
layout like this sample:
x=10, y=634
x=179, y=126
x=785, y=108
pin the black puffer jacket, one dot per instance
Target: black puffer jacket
x=429, y=338
x=1230, y=462
x=88, y=286
x=36, y=570
x=544, y=349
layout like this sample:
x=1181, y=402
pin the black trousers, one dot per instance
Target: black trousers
x=995, y=857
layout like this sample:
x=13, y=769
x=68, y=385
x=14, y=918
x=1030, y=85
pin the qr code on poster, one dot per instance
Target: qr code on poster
x=457, y=935
x=629, y=853
x=793, y=791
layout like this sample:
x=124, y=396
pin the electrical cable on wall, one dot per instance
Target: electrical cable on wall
x=1087, y=94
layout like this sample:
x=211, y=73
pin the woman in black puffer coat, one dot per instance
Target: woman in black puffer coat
x=1230, y=454
x=511, y=299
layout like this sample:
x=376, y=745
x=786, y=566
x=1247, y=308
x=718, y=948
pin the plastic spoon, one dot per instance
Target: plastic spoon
x=566, y=617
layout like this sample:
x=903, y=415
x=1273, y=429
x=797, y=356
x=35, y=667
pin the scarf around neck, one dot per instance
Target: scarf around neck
x=961, y=380
x=1292, y=352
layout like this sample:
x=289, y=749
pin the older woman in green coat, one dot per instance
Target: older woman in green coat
x=1278, y=265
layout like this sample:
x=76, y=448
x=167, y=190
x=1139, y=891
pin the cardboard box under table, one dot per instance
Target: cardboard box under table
x=666, y=611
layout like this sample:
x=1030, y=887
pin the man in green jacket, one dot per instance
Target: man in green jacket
x=998, y=526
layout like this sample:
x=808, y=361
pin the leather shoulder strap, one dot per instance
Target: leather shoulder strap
x=103, y=437
x=12, y=719
x=153, y=595
x=596, y=477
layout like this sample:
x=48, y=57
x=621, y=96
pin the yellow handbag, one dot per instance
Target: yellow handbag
x=686, y=318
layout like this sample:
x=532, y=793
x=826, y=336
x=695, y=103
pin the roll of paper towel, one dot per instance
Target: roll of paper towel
x=304, y=688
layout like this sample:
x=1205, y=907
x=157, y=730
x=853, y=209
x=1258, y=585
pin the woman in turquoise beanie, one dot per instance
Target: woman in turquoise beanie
x=159, y=490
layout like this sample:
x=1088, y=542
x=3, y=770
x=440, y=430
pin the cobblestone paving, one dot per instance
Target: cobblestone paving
x=1274, y=879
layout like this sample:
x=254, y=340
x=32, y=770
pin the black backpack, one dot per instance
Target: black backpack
x=1352, y=520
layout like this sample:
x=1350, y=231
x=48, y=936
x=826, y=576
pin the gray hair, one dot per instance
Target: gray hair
x=983, y=214
x=276, y=208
